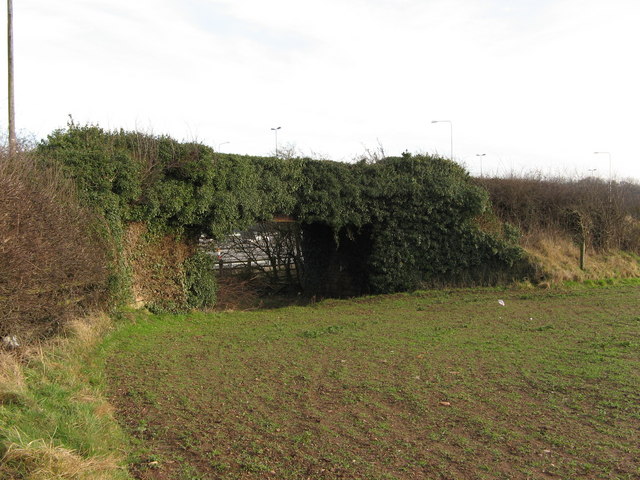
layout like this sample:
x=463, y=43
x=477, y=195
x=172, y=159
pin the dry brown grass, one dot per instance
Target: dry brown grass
x=42, y=460
x=560, y=257
x=85, y=332
x=12, y=383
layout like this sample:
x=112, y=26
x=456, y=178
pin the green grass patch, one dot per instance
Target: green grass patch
x=434, y=384
x=54, y=419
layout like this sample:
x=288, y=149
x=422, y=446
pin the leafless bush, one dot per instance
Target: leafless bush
x=372, y=154
x=52, y=261
x=605, y=214
x=271, y=248
x=239, y=292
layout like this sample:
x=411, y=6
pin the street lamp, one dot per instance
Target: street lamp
x=607, y=153
x=451, y=127
x=220, y=145
x=480, y=155
x=275, y=130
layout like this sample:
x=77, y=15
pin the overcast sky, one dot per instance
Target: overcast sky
x=532, y=84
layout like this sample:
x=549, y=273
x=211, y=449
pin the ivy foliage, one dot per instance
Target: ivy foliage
x=172, y=187
x=415, y=216
x=393, y=224
x=200, y=284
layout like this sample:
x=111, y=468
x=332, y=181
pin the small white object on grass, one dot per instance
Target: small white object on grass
x=11, y=341
x=501, y=302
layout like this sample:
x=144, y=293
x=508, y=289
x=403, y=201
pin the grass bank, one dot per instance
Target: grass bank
x=438, y=384
x=559, y=260
x=54, y=420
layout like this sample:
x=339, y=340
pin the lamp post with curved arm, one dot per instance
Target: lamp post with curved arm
x=609, y=154
x=275, y=130
x=480, y=155
x=451, y=131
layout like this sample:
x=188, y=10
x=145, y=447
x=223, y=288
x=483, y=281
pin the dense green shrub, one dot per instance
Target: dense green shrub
x=169, y=185
x=200, y=284
x=406, y=220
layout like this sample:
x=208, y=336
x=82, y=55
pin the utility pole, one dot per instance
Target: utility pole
x=12, y=109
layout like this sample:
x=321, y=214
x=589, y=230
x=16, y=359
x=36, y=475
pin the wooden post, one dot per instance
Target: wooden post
x=583, y=251
x=12, y=113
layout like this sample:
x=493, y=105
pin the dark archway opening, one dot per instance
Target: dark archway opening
x=335, y=265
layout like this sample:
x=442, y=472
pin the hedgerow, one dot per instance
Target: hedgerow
x=52, y=254
x=605, y=215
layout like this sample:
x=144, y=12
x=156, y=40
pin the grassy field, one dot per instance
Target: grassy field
x=434, y=385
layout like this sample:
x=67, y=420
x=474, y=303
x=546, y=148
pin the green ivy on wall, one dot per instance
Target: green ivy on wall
x=381, y=227
x=419, y=214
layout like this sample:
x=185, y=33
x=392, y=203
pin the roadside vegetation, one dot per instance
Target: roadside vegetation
x=557, y=217
x=54, y=275
x=53, y=258
x=55, y=421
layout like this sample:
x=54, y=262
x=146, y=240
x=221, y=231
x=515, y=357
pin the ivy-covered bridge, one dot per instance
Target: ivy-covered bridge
x=365, y=227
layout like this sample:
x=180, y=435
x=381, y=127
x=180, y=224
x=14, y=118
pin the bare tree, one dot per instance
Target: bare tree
x=271, y=248
x=286, y=151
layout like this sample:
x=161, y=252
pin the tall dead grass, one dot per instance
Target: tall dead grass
x=559, y=259
x=42, y=460
x=12, y=382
